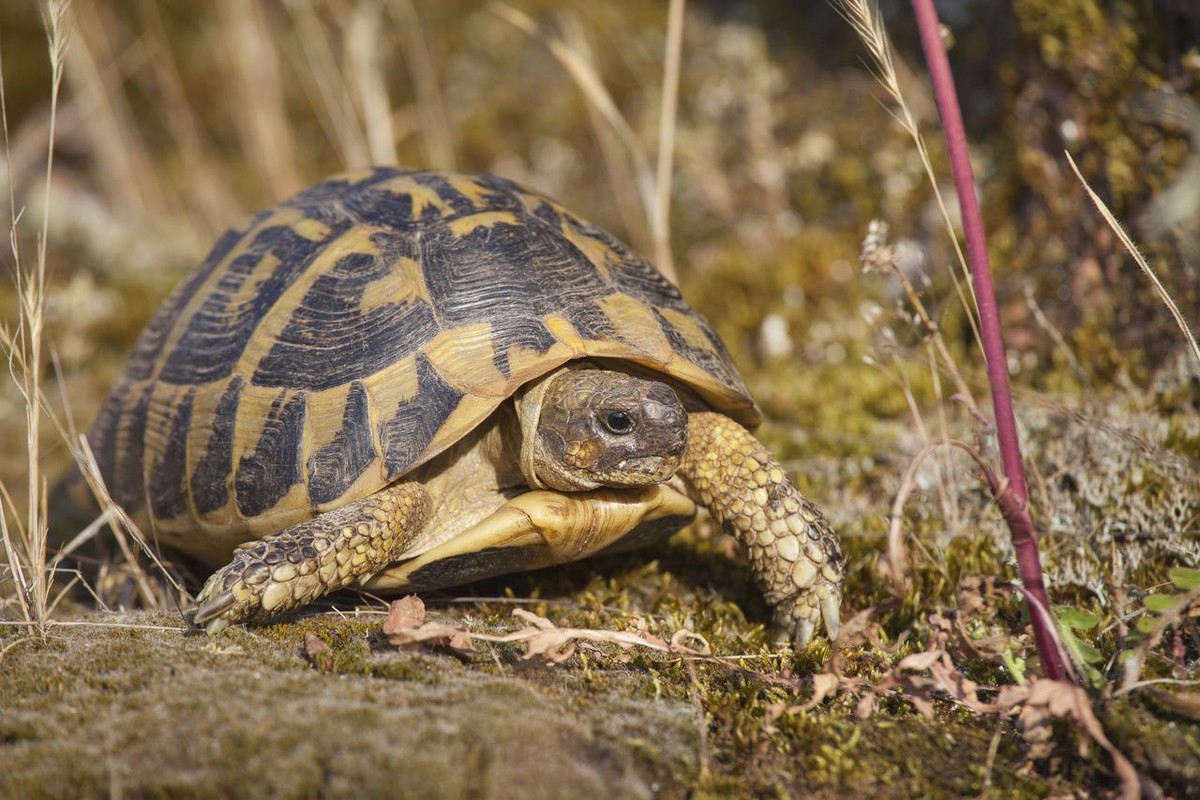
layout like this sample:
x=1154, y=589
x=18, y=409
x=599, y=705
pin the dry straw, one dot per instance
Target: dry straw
x=654, y=184
x=25, y=542
x=1163, y=294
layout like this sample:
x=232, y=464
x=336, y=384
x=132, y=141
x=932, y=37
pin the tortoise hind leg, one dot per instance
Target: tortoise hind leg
x=793, y=550
x=292, y=567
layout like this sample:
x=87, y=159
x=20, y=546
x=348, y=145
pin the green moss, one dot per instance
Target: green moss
x=157, y=713
x=1156, y=740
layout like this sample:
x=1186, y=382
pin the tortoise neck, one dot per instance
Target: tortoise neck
x=534, y=462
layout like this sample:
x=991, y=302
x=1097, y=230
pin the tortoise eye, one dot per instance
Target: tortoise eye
x=618, y=422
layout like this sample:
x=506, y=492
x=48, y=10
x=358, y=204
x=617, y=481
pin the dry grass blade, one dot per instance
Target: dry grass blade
x=124, y=529
x=661, y=218
x=437, y=133
x=209, y=193
x=129, y=626
x=366, y=76
x=893, y=564
x=1056, y=336
x=332, y=100
x=878, y=255
x=593, y=89
x=1163, y=294
x=126, y=168
x=867, y=22
x=262, y=124
x=618, y=169
x=25, y=544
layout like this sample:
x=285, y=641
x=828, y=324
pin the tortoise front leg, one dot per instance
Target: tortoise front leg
x=793, y=550
x=292, y=567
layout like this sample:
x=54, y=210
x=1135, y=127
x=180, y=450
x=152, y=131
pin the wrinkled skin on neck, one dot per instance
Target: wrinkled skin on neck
x=583, y=428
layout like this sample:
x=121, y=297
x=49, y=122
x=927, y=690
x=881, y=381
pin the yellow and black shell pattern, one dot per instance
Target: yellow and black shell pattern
x=353, y=332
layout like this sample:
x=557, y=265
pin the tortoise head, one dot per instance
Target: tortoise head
x=587, y=428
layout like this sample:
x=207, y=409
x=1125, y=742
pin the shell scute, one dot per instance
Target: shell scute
x=269, y=470
x=212, y=338
x=326, y=339
x=410, y=427
x=334, y=467
x=209, y=481
x=168, y=476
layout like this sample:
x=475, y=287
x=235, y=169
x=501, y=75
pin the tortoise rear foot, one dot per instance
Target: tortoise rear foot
x=793, y=550
x=292, y=567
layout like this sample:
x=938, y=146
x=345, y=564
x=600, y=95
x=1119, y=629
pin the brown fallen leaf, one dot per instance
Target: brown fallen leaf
x=824, y=685
x=407, y=612
x=318, y=653
x=1044, y=699
x=405, y=626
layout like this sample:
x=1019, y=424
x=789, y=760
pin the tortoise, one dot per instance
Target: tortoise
x=413, y=379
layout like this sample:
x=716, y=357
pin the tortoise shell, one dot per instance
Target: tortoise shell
x=355, y=331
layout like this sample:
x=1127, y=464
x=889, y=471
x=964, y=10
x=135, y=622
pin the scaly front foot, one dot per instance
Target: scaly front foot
x=793, y=550
x=292, y=567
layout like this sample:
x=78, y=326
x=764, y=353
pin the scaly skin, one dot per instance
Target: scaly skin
x=292, y=567
x=793, y=550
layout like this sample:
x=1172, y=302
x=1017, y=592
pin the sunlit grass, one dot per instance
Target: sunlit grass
x=25, y=531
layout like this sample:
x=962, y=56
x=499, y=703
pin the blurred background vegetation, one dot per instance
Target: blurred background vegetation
x=178, y=119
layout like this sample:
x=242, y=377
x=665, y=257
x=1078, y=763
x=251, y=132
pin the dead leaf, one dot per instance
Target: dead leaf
x=1063, y=699
x=678, y=646
x=773, y=713
x=456, y=638
x=405, y=626
x=866, y=706
x=407, y=612
x=318, y=653
x=920, y=660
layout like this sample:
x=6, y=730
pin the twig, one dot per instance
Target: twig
x=1014, y=502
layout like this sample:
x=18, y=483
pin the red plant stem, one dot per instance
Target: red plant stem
x=1014, y=498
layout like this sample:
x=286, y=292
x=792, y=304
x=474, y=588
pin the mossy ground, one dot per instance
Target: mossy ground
x=100, y=710
x=783, y=154
x=131, y=704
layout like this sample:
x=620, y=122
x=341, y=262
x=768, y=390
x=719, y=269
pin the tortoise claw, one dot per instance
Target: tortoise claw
x=831, y=614
x=804, y=632
x=209, y=613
